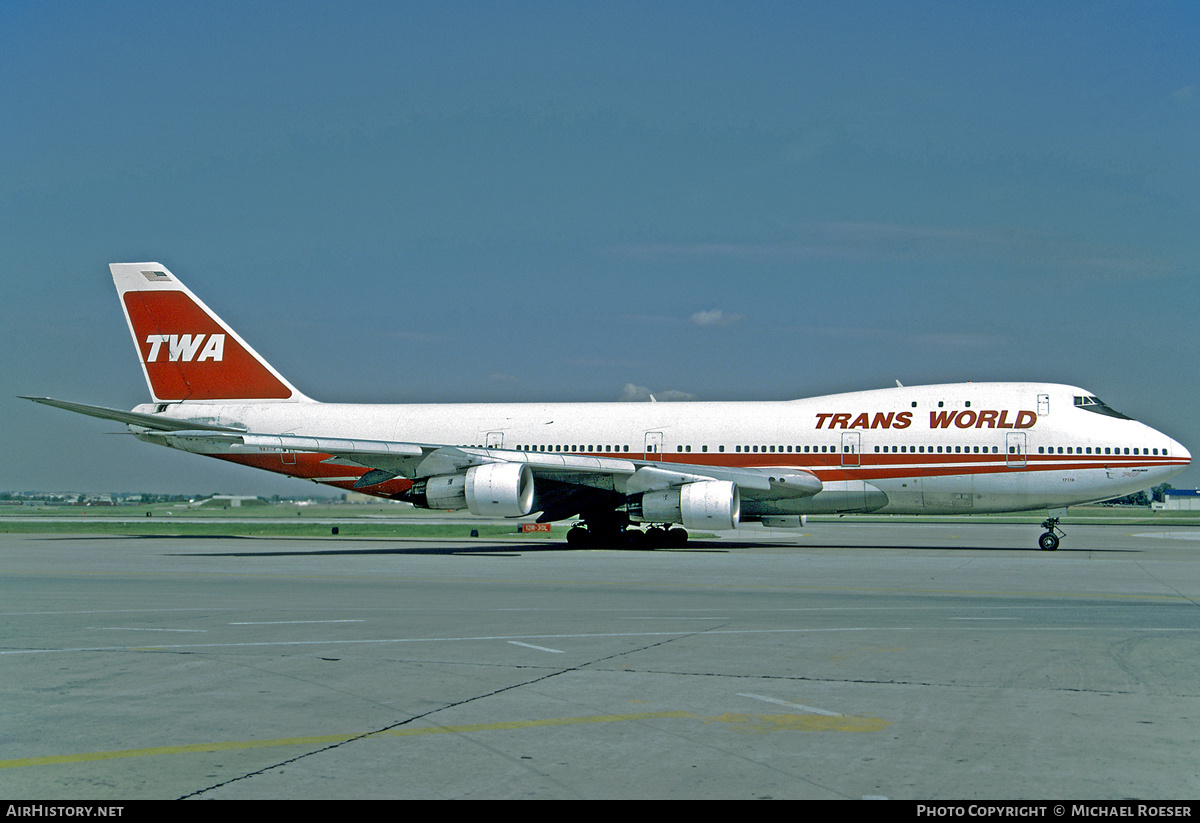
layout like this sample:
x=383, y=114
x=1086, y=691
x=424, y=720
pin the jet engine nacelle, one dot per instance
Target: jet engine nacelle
x=490, y=490
x=705, y=504
x=500, y=489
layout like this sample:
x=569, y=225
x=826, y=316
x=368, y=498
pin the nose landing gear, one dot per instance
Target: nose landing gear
x=1048, y=542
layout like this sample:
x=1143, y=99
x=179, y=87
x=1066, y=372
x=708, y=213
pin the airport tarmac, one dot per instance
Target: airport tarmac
x=850, y=660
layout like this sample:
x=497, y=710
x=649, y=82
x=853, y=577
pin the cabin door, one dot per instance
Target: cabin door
x=654, y=445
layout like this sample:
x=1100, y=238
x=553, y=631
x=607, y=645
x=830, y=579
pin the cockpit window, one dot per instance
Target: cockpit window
x=1095, y=404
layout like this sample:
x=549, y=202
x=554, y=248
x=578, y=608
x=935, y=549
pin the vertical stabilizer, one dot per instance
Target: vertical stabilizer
x=186, y=351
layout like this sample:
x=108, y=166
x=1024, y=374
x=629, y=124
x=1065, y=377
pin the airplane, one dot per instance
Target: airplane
x=958, y=448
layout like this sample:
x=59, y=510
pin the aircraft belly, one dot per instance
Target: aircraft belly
x=836, y=497
x=953, y=493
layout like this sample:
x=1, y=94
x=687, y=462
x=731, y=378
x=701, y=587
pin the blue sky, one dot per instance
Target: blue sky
x=592, y=201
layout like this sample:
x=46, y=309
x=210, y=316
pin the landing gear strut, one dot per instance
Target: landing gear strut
x=1049, y=541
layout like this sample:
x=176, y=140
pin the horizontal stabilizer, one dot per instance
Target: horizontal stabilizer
x=149, y=421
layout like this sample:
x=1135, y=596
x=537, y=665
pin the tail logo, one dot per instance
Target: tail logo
x=208, y=362
x=183, y=347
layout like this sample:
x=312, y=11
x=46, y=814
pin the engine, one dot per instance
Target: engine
x=490, y=490
x=706, y=504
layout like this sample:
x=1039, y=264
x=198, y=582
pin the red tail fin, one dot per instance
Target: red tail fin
x=187, y=352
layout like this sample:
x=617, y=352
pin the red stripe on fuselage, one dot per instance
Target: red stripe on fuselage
x=829, y=468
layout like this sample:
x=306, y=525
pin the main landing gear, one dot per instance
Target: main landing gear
x=1049, y=541
x=612, y=537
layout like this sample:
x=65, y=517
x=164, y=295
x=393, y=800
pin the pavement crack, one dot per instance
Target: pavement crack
x=401, y=723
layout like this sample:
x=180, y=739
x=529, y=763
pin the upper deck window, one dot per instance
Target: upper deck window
x=1095, y=404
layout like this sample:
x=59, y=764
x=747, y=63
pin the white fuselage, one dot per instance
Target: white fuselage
x=954, y=448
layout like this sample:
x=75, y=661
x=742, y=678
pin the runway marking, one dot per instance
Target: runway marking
x=538, y=648
x=985, y=618
x=764, y=723
x=1170, y=535
x=469, y=639
x=668, y=617
x=292, y=622
x=801, y=706
x=583, y=636
x=744, y=722
x=137, y=629
x=103, y=611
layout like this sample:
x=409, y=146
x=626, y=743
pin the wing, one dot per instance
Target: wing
x=501, y=481
x=492, y=482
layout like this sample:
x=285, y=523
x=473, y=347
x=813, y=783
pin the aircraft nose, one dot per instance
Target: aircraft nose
x=1179, y=449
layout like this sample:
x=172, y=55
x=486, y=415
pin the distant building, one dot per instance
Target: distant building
x=359, y=497
x=229, y=500
x=1179, y=500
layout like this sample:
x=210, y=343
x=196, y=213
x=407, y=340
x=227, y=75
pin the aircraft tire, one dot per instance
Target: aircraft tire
x=1048, y=542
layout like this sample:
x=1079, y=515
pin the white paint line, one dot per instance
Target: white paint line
x=293, y=622
x=985, y=618
x=102, y=611
x=538, y=648
x=133, y=629
x=713, y=617
x=1170, y=535
x=801, y=706
x=583, y=635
